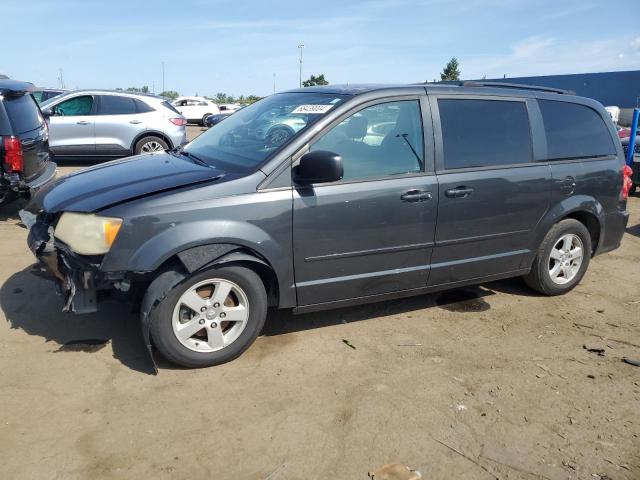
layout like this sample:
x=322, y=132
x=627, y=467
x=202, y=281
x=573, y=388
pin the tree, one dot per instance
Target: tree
x=313, y=80
x=451, y=72
x=172, y=94
x=223, y=98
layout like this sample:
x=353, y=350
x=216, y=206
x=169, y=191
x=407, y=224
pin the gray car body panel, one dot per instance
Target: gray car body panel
x=343, y=243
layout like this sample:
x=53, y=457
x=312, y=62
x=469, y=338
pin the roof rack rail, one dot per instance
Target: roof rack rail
x=474, y=83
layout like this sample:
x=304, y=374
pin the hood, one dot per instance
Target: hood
x=114, y=182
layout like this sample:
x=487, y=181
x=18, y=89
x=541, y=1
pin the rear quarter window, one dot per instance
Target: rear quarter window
x=484, y=133
x=574, y=131
x=170, y=107
x=23, y=112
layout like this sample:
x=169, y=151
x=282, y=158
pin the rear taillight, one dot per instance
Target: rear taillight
x=180, y=121
x=627, y=183
x=13, y=158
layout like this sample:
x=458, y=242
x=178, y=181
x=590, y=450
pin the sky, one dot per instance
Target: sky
x=237, y=47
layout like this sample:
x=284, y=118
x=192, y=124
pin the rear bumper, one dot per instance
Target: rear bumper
x=614, y=228
x=17, y=183
x=47, y=175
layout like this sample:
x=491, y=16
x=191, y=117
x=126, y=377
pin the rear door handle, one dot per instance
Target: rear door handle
x=459, y=192
x=83, y=122
x=416, y=196
x=135, y=122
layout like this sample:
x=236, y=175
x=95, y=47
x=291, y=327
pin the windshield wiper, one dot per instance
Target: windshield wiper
x=181, y=151
x=404, y=136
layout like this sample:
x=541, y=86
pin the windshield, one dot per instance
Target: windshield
x=249, y=136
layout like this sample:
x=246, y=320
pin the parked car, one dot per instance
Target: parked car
x=229, y=107
x=25, y=164
x=470, y=184
x=102, y=123
x=212, y=120
x=196, y=109
x=635, y=167
x=41, y=95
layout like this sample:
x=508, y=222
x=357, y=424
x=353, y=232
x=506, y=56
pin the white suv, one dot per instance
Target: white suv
x=196, y=109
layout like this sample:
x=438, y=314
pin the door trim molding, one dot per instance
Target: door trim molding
x=373, y=251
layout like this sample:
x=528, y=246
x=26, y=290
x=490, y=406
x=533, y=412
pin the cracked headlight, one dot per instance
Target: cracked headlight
x=87, y=234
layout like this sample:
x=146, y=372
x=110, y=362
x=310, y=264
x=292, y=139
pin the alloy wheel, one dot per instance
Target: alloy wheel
x=210, y=315
x=565, y=259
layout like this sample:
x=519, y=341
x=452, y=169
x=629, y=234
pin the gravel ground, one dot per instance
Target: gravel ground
x=488, y=382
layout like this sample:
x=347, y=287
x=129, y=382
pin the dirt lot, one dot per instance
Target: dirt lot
x=490, y=382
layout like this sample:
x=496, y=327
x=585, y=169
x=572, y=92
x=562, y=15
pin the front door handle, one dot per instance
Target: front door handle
x=416, y=196
x=135, y=122
x=459, y=192
x=83, y=122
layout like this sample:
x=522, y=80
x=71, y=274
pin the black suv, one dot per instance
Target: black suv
x=375, y=193
x=24, y=142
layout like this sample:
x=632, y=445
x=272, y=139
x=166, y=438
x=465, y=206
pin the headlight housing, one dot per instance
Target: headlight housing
x=86, y=233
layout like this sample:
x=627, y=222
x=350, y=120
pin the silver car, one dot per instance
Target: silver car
x=99, y=123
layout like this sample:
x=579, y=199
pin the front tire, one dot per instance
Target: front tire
x=210, y=318
x=204, y=119
x=562, y=259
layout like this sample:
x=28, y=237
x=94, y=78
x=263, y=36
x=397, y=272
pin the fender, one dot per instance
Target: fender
x=568, y=206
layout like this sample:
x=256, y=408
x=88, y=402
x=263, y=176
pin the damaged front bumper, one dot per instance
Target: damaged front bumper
x=77, y=278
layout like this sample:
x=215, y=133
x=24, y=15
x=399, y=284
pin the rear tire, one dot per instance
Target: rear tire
x=562, y=259
x=189, y=328
x=204, y=119
x=150, y=144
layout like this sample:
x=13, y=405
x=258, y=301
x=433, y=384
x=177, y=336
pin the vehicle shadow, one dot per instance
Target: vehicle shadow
x=30, y=303
x=635, y=230
x=9, y=211
x=466, y=299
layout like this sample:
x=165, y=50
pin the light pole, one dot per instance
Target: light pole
x=301, y=46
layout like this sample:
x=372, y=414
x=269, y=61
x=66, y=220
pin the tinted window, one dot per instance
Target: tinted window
x=142, y=107
x=480, y=133
x=378, y=141
x=115, y=105
x=23, y=113
x=574, y=131
x=75, y=106
x=170, y=107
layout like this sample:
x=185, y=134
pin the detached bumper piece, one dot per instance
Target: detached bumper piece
x=76, y=278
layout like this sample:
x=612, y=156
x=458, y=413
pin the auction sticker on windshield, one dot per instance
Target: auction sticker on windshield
x=313, y=109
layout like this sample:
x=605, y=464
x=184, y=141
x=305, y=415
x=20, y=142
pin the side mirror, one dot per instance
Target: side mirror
x=319, y=166
x=47, y=112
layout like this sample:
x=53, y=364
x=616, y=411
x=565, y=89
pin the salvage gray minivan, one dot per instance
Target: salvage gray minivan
x=387, y=191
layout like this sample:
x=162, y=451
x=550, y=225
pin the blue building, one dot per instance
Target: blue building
x=621, y=89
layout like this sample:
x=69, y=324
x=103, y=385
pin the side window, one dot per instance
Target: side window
x=482, y=133
x=75, y=106
x=180, y=103
x=142, y=107
x=378, y=141
x=574, y=131
x=116, y=105
x=202, y=103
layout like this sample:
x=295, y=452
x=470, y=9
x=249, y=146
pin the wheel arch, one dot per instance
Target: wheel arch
x=178, y=267
x=585, y=209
